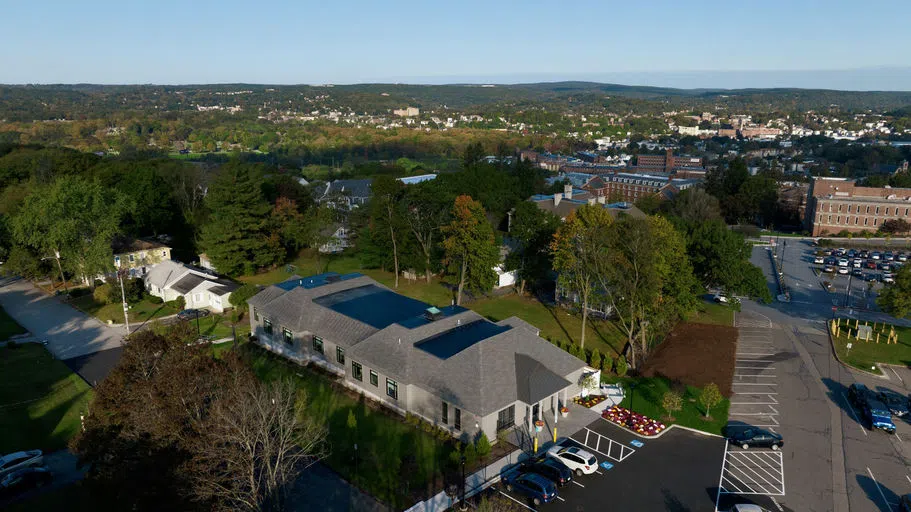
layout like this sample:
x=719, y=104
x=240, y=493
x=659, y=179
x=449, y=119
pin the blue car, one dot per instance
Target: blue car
x=537, y=488
x=872, y=408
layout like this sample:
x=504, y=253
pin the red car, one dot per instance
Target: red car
x=871, y=264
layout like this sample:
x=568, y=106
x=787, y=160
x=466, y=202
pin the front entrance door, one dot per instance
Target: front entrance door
x=534, y=412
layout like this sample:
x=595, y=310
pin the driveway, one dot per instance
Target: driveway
x=68, y=331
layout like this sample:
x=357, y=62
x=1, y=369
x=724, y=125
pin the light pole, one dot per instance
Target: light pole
x=462, y=505
x=123, y=296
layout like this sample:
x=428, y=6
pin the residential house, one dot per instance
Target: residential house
x=450, y=365
x=200, y=290
x=338, y=241
x=137, y=255
x=206, y=264
x=345, y=194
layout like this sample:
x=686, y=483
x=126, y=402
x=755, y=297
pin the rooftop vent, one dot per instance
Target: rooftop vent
x=432, y=314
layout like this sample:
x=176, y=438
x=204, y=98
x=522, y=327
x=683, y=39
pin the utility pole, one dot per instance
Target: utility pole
x=123, y=296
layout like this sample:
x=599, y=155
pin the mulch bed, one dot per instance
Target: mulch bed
x=589, y=401
x=696, y=355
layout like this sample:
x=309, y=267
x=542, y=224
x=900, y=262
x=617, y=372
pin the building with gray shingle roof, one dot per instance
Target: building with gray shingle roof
x=449, y=365
x=171, y=279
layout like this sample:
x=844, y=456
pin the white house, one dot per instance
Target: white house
x=171, y=279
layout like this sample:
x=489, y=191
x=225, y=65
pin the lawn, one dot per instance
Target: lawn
x=646, y=399
x=139, y=311
x=218, y=326
x=865, y=354
x=713, y=313
x=395, y=462
x=40, y=399
x=556, y=324
x=8, y=326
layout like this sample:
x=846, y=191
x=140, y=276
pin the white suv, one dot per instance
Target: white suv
x=576, y=459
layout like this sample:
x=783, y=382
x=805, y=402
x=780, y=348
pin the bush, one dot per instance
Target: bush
x=471, y=455
x=155, y=300
x=607, y=364
x=179, y=303
x=596, y=359
x=621, y=367
x=102, y=294
x=482, y=446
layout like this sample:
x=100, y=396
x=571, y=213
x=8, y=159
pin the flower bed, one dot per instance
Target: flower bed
x=634, y=421
x=589, y=401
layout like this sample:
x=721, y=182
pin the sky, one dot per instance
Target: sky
x=694, y=43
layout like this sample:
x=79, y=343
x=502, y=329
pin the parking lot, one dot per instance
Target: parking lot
x=677, y=471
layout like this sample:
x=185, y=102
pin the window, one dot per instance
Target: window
x=131, y=258
x=116, y=261
x=256, y=315
x=877, y=210
x=267, y=326
x=392, y=389
x=374, y=378
x=318, y=344
x=445, y=413
x=506, y=418
x=458, y=419
x=288, y=336
x=340, y=355
x=887, y=210
x=357, y=371
x=164, y=254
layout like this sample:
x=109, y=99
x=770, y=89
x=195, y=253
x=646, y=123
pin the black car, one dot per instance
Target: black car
x=192, y=314
x=906, y=503
x=550, y=468
x=537, y=488
x=752, y=437
x=24, y=479
x=871, y=407
x=897, y=403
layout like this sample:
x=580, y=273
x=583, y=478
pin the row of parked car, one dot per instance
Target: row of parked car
x=21, y=471
x=538, y=479
x=878, y=408
x=841, y=261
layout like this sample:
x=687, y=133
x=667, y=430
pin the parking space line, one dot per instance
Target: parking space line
x=755, y=384
x=577, y=483
x=600, y=473
x=853, y=414
x=748, y=481
x=897, y=375
x=756, y=354
x=880, y=489
x=762, y=467
x=721, y=477
x=756, y=375
x=513, y=499
x=559, y=498
x=625, y=451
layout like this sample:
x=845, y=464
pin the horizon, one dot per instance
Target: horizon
x=663, y=44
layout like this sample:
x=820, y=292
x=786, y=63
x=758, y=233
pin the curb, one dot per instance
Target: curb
x=668, y=429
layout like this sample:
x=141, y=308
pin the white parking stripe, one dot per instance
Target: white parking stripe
x=561, y=499
x=513, y=499
x=851, y=408
x=577, y=483
x=888, y=505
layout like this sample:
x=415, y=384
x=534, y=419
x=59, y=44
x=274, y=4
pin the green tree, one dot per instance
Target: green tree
x=386, y=215
x=471, y=454
x=721, y=258
x=237, y=238
x=533, y=229
x=575, y=247
x=471, y=249
x=482, y=446
x=425, y=213
x=672, y=402
x=621, y=367
x=895, y=299
x=596, y=359
x=710, y=397
x=695, y=205
x=240, y=296
x=74, y=218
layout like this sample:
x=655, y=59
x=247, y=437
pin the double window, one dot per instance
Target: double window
x=267, y=326
x=318, y=345
x=357, y=371
x=374, y=378
x=506, y=418
x=392, y=389
x=288, y=336
x=340, y=355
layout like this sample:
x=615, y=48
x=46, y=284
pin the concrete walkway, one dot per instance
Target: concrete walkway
x=68, y=331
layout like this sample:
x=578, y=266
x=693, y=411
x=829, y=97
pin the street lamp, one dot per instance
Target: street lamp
x=123, y=296
x=462, y=505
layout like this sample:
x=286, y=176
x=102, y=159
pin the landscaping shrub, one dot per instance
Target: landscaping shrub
x=102, y=294
x=482, y=446
x=471, y=455
x=672, y=401
x=155, y=300
x=607, y=364
x=710, y=397
x=596, y=359
x=179, y=303
x=620, y=366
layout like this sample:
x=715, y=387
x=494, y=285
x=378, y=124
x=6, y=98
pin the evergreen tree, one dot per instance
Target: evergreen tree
x=471, y=249
x=236, y=238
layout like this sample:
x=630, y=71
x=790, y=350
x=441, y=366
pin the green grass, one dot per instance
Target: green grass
x=865, y=354
x=395, y=461
x=139, y=311
x=40, y=399
x=555, y=324
x=8, y=326
x=713, y=313
x=646, y=399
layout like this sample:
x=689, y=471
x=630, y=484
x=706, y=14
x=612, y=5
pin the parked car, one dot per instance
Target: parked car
x=831, y=261
x=871, y=407
x=550, y=468
x=888, y=256
x=858, y=272
x=896, y=402
x=828, y=268
x=864, y=254
x=842, y=262
x=819, y=260
x=851, y=253
x=902, y=257
x=576, y=459
x=857, y=263
x=843, y=270
x=871, y=265
x=535, y=487
x=840, y=251
x=192, y=314
x=719, y=298
x=756, y=437
x=905, y=503
x=884, y=266
x=870, y=277
x=875, y=255
x=20, y=460
x=888, y=278
x=24, y=479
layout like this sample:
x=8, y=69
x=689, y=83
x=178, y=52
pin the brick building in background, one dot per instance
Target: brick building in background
x=667, y=163
x=838, y=204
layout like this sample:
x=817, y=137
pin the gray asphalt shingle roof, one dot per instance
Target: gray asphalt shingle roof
x=187, y=283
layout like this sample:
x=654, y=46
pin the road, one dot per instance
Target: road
x=831, y=461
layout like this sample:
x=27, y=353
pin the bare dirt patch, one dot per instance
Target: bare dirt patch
x=696, y=355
